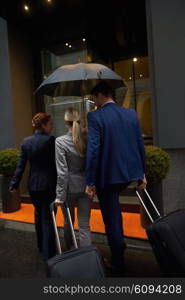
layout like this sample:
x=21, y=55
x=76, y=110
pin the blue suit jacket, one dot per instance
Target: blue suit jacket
x=39, y=150
x=115, y=151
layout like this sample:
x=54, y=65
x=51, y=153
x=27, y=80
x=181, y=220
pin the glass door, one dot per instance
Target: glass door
x=57, y=107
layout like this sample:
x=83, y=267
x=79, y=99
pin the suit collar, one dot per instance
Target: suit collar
x=39, y=132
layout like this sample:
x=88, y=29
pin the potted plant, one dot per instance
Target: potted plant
x=8, y=162
x=157, y=167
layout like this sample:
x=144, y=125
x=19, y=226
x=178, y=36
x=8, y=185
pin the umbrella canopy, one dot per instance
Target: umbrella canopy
x=78, y=80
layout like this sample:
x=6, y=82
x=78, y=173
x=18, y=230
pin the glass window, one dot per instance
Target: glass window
x=135, y=72
x=57, y=106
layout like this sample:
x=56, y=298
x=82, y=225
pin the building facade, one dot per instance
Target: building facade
x=158, y=76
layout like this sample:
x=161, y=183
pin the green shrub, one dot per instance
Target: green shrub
x=8, y=161
x=157, y=164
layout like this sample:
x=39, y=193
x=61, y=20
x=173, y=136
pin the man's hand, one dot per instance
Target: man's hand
x=142, y=184
x=90, y=191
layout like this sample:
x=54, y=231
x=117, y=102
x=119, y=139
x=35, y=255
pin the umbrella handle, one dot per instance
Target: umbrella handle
x=84, y=119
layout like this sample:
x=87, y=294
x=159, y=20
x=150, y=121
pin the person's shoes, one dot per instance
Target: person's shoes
x=107, y=267
x=114, y=270
x=46, y=269
x=124, y=246
x=119, y=270
x=106, y=262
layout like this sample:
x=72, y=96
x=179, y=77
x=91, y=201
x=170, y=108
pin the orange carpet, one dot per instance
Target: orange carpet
x=131, y=221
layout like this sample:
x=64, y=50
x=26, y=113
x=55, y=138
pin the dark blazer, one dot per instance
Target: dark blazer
x=115, y=151
x=39, y=150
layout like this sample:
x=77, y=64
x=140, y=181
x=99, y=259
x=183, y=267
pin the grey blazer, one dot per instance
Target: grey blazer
x=70, y=168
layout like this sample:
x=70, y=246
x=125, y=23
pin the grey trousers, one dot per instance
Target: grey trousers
x=83, y=214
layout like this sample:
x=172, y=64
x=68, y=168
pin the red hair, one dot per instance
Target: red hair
x=40, y=119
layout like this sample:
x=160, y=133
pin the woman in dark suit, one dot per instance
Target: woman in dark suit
x=39, y=150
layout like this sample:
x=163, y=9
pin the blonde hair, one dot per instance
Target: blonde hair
x=72, y=118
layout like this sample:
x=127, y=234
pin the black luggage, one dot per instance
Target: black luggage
x=84, y=262
x=167, y=237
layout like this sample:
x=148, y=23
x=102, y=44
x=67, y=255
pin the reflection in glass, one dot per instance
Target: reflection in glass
x=57, y=106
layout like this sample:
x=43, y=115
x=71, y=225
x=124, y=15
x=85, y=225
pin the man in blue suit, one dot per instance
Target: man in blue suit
x=115, y=158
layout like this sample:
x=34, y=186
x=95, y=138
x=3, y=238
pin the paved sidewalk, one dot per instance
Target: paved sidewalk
x=19, y=257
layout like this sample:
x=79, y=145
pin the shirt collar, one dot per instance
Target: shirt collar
x=111, y=101
x=69, y=132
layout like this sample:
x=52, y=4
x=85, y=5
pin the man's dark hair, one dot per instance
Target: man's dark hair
x=104, y=88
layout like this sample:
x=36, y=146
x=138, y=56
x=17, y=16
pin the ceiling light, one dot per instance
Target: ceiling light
x=26, y=7
x=134, y=59
x=70, y=46
x=83, y=40
x=67, y=44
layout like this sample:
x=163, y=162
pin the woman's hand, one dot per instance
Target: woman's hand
x=14, y=191
x=58, y=202
x=90, y=191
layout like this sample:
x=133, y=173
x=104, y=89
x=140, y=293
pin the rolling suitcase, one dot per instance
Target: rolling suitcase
x=84, y=262
x=166, y=235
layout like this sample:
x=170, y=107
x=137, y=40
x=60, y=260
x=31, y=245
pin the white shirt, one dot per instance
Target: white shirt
x=111, y=101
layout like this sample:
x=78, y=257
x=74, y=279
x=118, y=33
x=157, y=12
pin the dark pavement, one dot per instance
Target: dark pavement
x=19, y=257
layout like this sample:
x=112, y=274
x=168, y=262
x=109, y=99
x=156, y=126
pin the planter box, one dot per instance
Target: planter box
x=8, y=202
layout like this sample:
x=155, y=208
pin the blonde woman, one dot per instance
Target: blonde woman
x=70, y=161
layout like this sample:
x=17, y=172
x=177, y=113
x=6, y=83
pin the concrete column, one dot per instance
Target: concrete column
x=173, y=185
x=7, y=133
x=166, y=47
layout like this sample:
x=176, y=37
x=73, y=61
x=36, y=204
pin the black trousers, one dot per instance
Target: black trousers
x=111, y=213
x=43, y=222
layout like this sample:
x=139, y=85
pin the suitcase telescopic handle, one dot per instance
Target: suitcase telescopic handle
x=52, y=208
x=58, y=245
x=70, y=223
x=151, y=201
